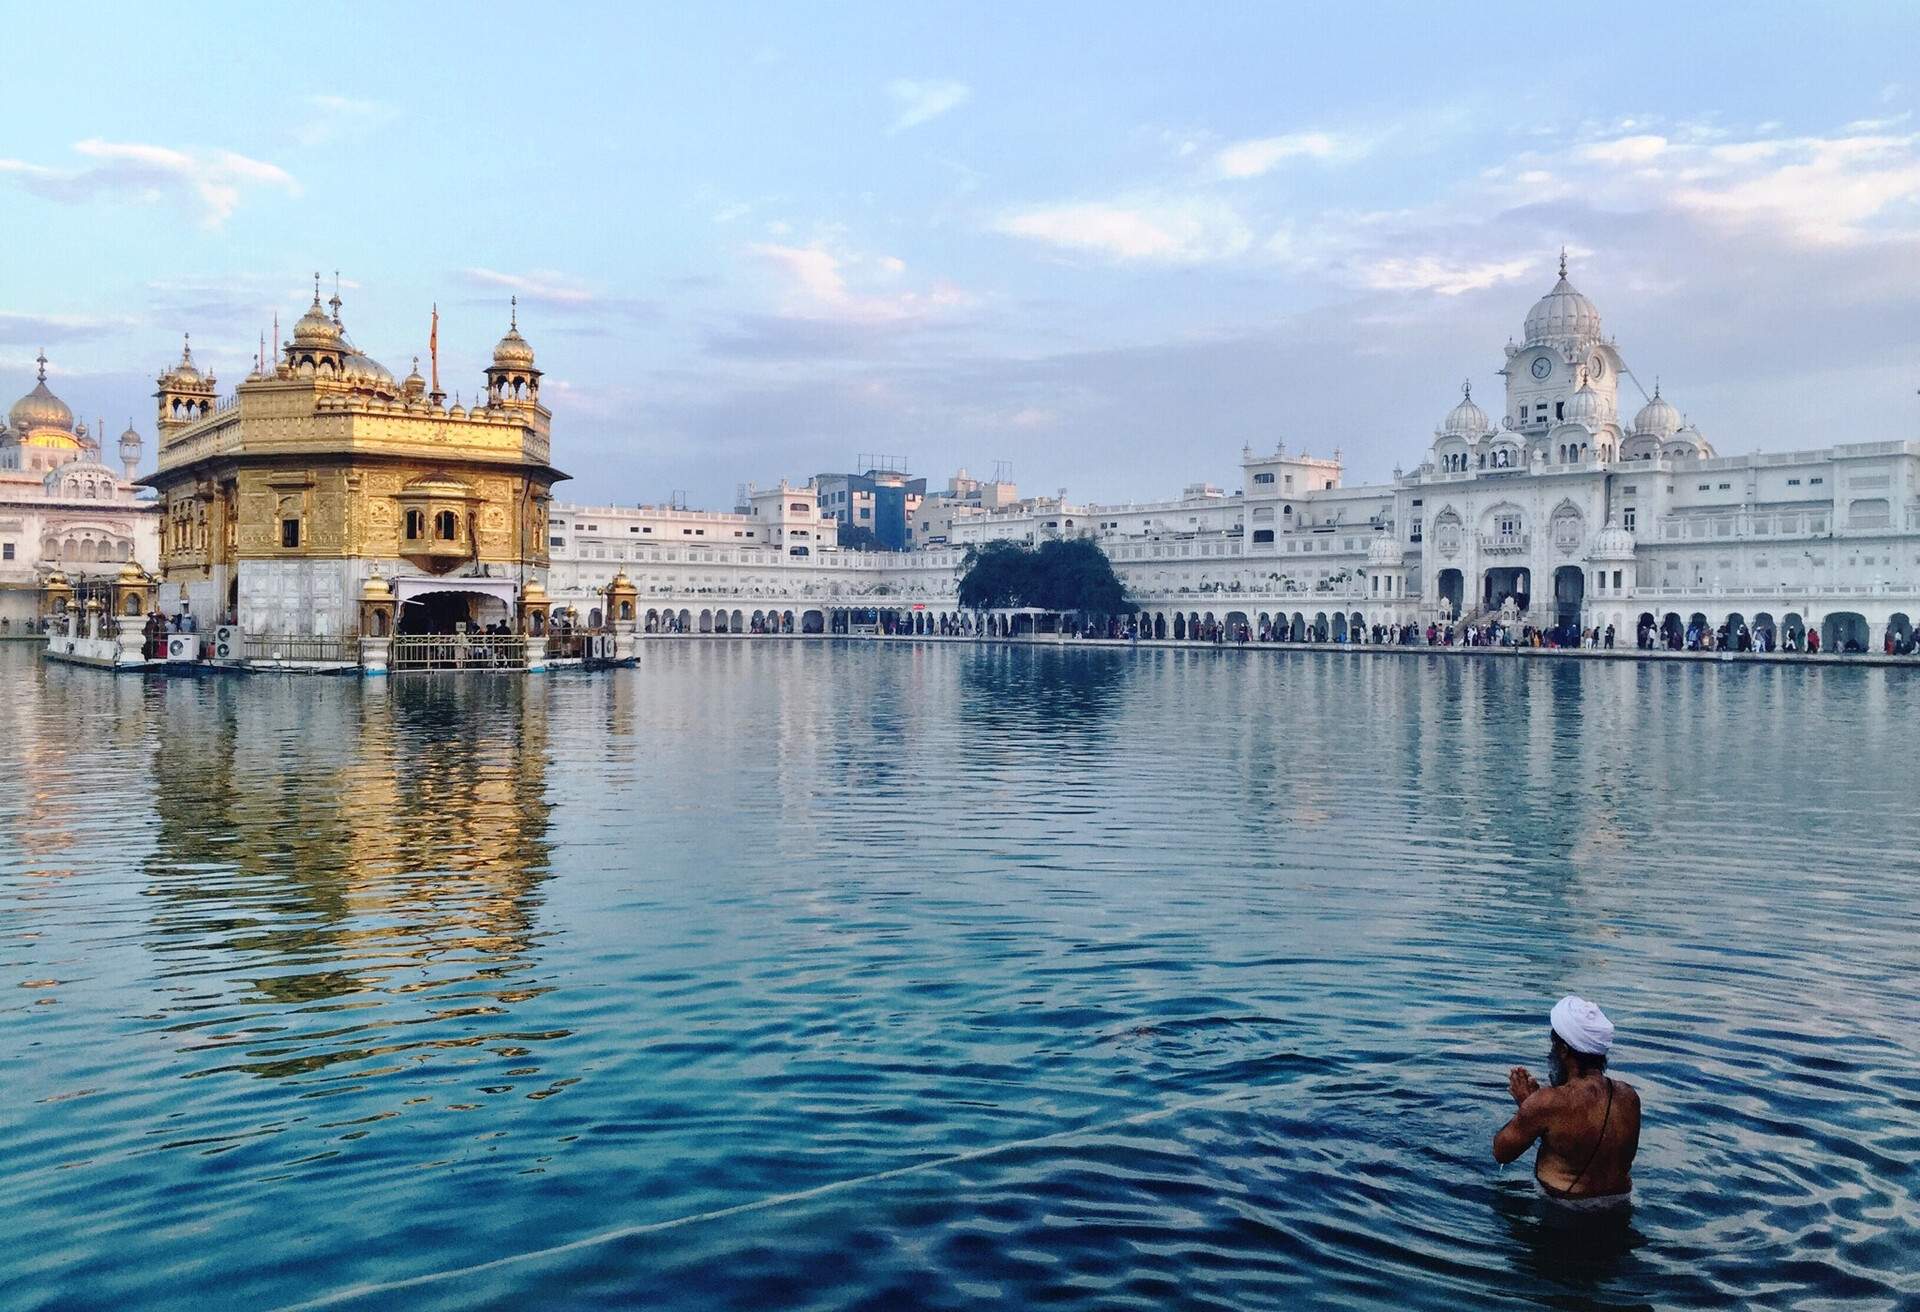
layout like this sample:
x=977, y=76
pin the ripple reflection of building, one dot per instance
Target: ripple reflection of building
x=340, y=839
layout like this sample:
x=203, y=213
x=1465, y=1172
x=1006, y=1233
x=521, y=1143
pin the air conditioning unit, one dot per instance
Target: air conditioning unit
x=228, y=643
x=183, y=647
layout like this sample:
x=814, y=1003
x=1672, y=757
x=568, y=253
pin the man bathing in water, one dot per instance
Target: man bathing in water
x=1586, y=1122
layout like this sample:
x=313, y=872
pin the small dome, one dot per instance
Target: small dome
x=1611, y=543
x=1385, y=551
x=40, y=408
x=186, y=371
x=130, y=438
x=1689, y=441
x=1563, y=315
x=314, y=329
x=1465, y=419
x=1588, y=407
x=513, y=352
x=413, y=385
x=1657, y=416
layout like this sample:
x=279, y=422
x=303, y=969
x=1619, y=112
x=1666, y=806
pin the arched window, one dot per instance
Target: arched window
x=416, y=525
x=444, y=525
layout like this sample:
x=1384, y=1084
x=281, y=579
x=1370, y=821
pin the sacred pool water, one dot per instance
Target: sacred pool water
x=807, y=975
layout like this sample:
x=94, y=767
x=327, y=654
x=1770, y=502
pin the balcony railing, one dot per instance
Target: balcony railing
x=1505, y=544
x=265, y=649
x=458, y=651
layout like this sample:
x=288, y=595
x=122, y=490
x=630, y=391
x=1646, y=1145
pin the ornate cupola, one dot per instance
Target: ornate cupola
x=318, y=348
x=130, y=451
x=511, y=378
x=185, y=395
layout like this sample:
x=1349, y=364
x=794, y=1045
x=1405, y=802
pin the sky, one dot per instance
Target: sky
x=1111, y=244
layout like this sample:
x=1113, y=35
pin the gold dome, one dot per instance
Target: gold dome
x=314, y=329
x=186, y=371
x=513, y=352
x=40, y=408
x=364, y=371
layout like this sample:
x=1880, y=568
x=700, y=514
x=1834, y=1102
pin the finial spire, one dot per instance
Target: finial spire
x=316, y=288
x=186, y=348
x=1563, y=261
x=335, y=302
x=1466, y=390
x=41, y=360
x=513, y=320
x=1656, y=387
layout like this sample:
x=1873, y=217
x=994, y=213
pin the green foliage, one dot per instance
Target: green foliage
x=1070, y=575
x=998, y=575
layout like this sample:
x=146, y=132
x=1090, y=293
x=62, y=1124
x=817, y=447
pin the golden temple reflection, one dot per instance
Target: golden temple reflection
x=405, y=856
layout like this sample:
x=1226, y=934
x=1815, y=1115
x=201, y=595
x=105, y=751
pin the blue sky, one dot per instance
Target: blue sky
x=1108, y=243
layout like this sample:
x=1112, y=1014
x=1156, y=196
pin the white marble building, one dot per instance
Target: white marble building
x=62, y=507
x=1558, y=508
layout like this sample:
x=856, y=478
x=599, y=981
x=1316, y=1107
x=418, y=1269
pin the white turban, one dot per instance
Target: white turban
x=1582, y=1026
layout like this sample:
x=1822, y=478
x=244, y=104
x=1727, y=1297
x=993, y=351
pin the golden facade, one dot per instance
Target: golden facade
x=321, y=470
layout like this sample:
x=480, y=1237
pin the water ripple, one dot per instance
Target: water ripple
x=827, y=976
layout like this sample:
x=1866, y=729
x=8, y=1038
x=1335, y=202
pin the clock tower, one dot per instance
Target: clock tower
x=1562, y=345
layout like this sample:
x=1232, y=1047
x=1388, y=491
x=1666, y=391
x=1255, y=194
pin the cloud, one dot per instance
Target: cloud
x=541, y=287
x=39, y=329
x=919, y=102
x=1626, y=150
x=1429, y=273
x=211, y=181
x=333, y=117
x=1252, y=159
x=1816, y=190
x=818, y=287
x=1162, y=230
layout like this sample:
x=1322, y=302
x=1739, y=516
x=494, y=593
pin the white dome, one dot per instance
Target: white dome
x=1657, y=417
x=1385, y=551
x=1466, y=419
x=1689, y=441
x=1588, y=407
x=1611, y=543
x=1563, y=316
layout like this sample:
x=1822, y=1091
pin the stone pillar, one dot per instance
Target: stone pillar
x=536, y=621
x=376, y=608
x=132, y=635
x=374, y=655
x=56, y=602
x=623, y=617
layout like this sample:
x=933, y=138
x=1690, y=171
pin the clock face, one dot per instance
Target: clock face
x=1597, y=366
x=1542, y=366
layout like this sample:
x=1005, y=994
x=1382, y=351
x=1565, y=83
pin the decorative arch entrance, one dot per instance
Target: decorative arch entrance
x=1569, y=595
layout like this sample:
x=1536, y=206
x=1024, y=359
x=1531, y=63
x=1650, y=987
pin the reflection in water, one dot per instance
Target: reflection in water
x=391, y=843
x=1180, y=977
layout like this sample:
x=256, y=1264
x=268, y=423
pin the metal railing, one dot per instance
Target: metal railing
x=458, y=651
x=263, y=648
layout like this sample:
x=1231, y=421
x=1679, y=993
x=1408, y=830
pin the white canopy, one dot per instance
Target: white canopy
x=412, y=587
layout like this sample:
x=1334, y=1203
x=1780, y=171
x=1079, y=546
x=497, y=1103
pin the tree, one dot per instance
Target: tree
x=1069, y=575
x=999, y=575
x=858, y=537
